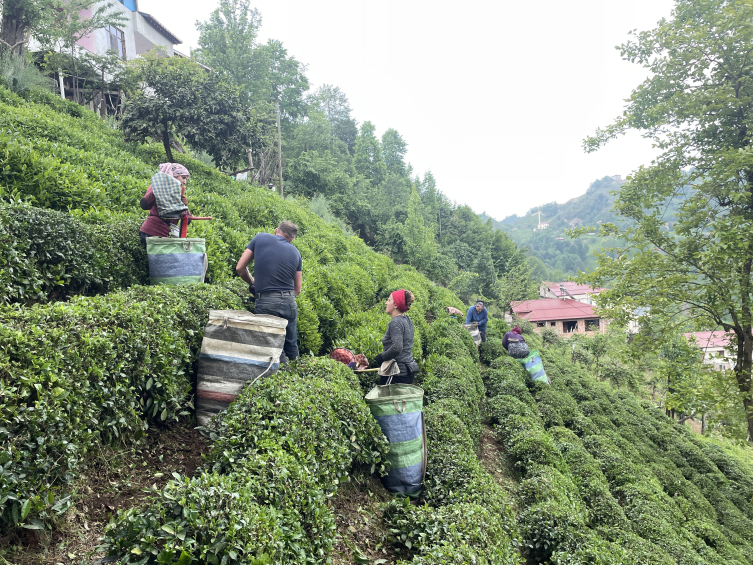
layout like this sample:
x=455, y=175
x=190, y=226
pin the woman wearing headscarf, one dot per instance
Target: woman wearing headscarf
x=515, y=344
x=154, y=226
x=398, y=340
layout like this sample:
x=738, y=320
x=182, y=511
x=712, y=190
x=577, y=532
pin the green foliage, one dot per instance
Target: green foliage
x=460, y=533
x=20, y=76
x=50, y=255
x=696, y=264
x=93, y=369
x=179, y=96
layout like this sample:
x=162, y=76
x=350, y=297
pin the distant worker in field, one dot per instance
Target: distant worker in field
x=515, y=344
x=479, y=315
x=279, y=274
x=165, y=197
x=398, y=340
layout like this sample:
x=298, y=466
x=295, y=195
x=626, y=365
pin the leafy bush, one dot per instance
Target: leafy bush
x=47, y=254
x=491, y=349
x=460, y=533
x=268, y=510
x=93, y=369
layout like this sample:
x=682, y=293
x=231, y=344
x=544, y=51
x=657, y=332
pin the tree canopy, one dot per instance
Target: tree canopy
x=696, y=107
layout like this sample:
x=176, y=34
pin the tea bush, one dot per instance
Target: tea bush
x=47, y=254
x=607, y=478
x=92, y=369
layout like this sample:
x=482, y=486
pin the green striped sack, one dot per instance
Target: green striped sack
x=398, y=409
x=535, y=367
x=176, y=261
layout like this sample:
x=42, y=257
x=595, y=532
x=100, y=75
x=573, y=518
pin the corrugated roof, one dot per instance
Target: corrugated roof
x=572, y=288
x=552, y=309
x=710, y=339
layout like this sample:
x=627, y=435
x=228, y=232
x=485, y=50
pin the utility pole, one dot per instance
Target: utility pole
x=279, y=148
x=102, y=106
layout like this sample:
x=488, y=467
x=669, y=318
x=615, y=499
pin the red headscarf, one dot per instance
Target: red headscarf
x=517, y=330
x=398, y=297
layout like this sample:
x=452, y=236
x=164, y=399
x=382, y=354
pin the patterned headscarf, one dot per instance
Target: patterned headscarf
x=174, y=169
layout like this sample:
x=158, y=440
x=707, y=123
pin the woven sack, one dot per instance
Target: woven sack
x=399, y=411
x=535, y=367
x=176, y=261
x=238, y=348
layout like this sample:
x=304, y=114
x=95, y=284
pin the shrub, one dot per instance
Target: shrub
x=93, y=369
x=313, y=408
x=460, y=533
x=491, y=349
x=49, y=254
x=211, y=519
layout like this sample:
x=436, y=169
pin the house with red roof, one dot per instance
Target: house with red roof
x=580, y=292
x=566, y=316
x=714, y=346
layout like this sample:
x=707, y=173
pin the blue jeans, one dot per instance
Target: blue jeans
x=284, y=307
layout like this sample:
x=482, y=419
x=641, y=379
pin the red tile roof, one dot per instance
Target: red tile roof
x=710, y=339
x=572, y=287
x=551, y=309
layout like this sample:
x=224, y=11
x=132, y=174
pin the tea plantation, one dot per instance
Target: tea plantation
x=89, y=355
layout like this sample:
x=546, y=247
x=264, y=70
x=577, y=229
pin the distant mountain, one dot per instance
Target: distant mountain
x=556, y=256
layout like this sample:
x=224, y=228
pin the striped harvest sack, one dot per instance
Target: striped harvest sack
x=176, y=261
x=475, y=333
x=399, y=411
x=535, y=367
x=238, y=348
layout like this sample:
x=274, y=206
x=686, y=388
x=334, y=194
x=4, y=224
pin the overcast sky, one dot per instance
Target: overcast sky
x=494, y=97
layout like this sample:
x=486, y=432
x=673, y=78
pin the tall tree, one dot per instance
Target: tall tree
x=19, y=18
x=177, y=95
x=368, y=159
x=335, y=106
x=697, y=108
x=265, y=73
x=227, y=41
x=394, y=149
x=420, y=248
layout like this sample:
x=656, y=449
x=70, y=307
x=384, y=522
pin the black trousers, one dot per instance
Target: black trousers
x=399, y=379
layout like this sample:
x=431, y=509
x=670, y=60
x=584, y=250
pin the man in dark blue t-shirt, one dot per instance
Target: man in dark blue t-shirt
x=279, y=273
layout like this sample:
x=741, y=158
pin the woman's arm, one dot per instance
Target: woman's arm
x=148, y=200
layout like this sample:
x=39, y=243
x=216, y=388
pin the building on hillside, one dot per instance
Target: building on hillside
x=566, y=316
x=140, y=34
x=580, y=292
x=713, y=345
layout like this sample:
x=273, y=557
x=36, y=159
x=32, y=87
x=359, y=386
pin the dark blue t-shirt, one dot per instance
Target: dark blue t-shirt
x=276, y=262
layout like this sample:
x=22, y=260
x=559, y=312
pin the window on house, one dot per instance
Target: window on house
x=592, y=325
x=553, y=324
x=570, y=326
x=540, y=324
x=116, y=40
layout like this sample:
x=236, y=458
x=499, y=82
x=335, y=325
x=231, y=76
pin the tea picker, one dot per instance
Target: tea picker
x=397, y=405
x=174, y=258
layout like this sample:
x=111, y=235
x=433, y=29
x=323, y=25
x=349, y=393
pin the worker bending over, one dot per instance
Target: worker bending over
x=478, y=314
x=279, y=273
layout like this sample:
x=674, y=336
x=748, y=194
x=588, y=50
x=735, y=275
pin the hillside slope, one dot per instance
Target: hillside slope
x=90, y=357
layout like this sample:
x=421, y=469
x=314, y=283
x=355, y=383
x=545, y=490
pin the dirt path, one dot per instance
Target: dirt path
x=115, y=481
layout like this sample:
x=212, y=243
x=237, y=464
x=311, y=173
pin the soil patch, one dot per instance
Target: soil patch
x=492, y=457
x=361, y=534
x=115, y=480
